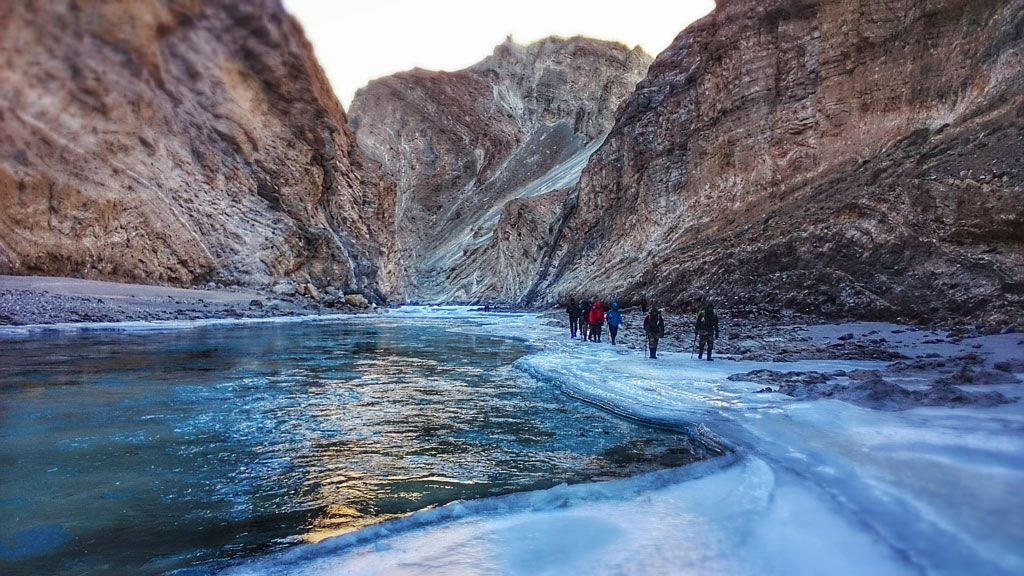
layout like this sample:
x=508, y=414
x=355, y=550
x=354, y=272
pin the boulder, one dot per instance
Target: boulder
x=309, y=291
x=356, y=301
x=284, y=288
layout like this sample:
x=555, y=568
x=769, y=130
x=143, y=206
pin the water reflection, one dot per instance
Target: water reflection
x=232, y=441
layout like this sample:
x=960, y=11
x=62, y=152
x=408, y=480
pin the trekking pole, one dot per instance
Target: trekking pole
x=645, y=346
x=693, y=348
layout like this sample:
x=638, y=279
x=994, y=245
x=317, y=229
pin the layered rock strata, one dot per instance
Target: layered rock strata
x=856, y=159
x=180, y=142
x=474, y=150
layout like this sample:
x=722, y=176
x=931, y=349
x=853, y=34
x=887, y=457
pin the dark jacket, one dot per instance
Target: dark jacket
x=573, y=309
x=654, y=325
x=707, y=321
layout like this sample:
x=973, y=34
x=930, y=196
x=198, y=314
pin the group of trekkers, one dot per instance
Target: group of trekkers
x=588, y=319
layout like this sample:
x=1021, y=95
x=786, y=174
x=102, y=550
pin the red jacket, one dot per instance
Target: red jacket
x=596, y=314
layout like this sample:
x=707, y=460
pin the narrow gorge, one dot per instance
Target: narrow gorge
x=212, y=360
x=824, y=157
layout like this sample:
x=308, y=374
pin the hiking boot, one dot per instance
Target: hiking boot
x=700, y=356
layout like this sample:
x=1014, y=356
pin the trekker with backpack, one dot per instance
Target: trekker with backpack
x=654, y=327
x=584, y=321
x=596, y=322
x=573, y=309
x=706, y=329
x=614, y=319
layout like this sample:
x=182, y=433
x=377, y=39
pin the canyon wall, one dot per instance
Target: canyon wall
x=842, y=158
x=502, y=139
x=181, y=142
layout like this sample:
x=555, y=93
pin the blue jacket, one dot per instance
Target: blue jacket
x=613, y=318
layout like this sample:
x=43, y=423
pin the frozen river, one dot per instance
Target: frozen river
x=143, y=452
x=807, y=487
x=423, y=441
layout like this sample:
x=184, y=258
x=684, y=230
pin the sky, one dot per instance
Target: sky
x=356, y=42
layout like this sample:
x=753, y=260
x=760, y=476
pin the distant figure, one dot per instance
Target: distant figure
x=487, y=307
x=596, y=322
x=706, y=329
x=573, y=310
x=643, y=305
x=654, y=327
x=614, y=319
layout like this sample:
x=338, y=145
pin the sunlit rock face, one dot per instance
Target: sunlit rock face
x=179, y=142
x=845, y=158
x=475, y=150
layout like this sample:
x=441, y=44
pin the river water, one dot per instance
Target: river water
x=188, y=450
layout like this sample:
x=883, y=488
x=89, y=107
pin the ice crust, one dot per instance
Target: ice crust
x=808, y=487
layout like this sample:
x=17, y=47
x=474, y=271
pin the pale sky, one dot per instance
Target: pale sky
x=357, y=41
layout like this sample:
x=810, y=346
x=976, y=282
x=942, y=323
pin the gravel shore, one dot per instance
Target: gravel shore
x=26, y=300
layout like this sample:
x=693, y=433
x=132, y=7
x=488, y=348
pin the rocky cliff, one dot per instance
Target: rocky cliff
x=479, y=152
x=845, y=158
x=180, y=142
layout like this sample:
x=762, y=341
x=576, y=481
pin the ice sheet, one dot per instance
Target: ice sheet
x=812, y=487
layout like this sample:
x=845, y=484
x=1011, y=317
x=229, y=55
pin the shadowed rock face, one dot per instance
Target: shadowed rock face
x=178, y=142
x=519, y=126
x=833, y=157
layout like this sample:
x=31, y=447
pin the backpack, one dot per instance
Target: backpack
x=706, y=320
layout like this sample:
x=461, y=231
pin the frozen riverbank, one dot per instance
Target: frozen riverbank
x=813, y=486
